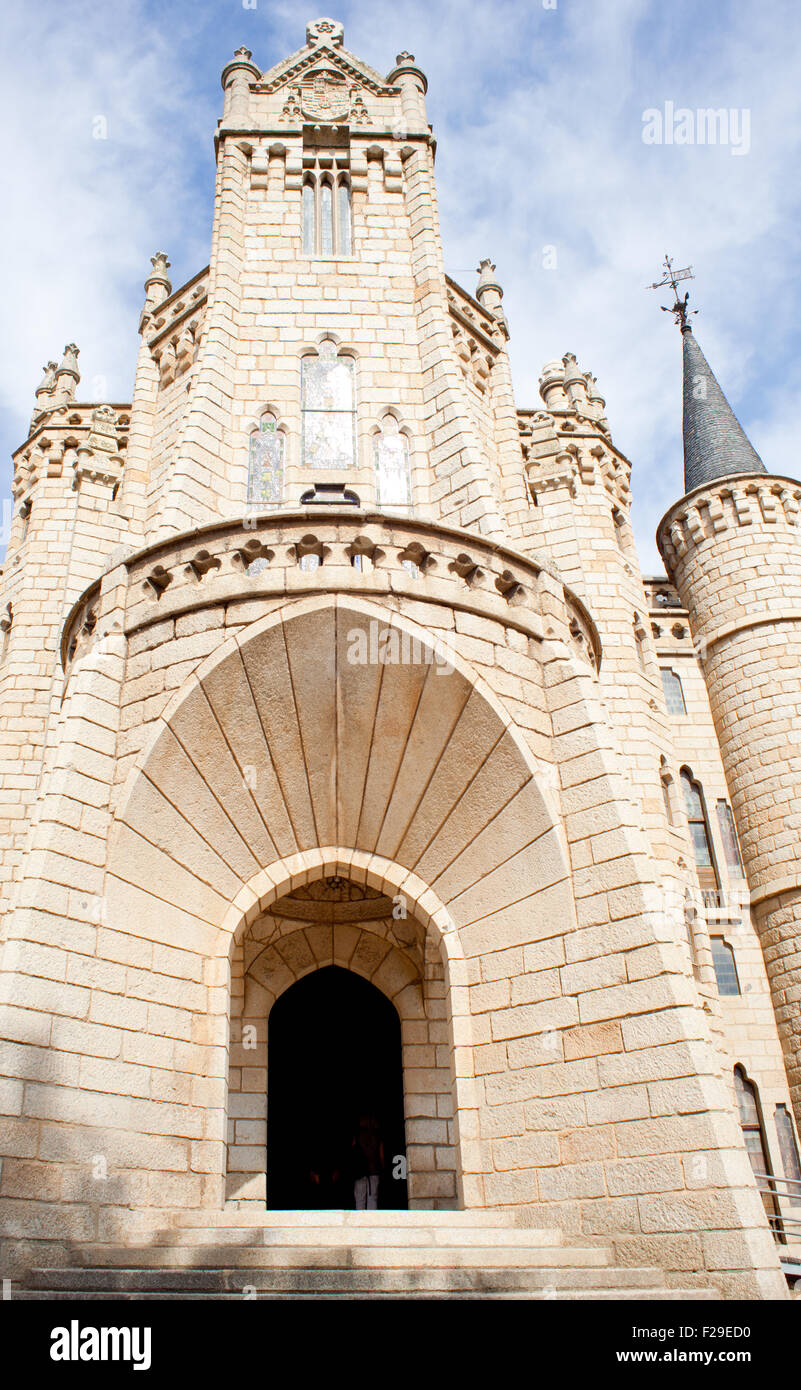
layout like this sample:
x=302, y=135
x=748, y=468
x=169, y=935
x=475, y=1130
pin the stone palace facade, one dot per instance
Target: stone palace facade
x=329, y=675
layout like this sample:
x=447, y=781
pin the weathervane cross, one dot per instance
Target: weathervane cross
x=672, y=278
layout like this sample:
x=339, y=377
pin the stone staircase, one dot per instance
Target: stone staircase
x=345, y=1254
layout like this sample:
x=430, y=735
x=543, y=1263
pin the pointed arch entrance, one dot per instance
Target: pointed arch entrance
x=334, y=1058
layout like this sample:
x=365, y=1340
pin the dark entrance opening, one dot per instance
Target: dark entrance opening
x=334, y=1055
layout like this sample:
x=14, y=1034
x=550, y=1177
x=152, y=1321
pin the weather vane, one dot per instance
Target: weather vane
x=672, y=278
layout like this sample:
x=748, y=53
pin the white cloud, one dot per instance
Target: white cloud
x=538, y=116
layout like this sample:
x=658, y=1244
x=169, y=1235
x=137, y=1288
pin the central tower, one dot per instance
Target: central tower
x=326, y=266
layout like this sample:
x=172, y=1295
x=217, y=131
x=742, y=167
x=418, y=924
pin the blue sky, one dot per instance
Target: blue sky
x=539, y=117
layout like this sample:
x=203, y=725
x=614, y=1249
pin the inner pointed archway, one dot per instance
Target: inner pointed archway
x=334, y=1050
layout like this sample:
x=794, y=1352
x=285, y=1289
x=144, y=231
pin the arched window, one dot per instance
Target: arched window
x=309, y=217
x=699, y=830
x=728, y=835
x=393, y=480
x=674, y=694
x=328, y=401
x=326, y=215
x=755, y=1142
x=726, y=976
x=266, y=464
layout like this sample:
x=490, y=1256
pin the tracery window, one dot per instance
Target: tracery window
x=266, y=463
x=674, y=693
x=326, y=215
x=393, y=476
x=328, y=404
x=699, y=830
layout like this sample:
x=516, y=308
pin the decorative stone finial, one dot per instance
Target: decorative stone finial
x=48, y=381
x=244, y=53
x=69, y=363
x=489, y=293
x=159, y=274
x=325, y=31
x=404, y=57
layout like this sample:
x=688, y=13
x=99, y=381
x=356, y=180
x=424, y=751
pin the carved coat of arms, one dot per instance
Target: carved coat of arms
x=325, y=96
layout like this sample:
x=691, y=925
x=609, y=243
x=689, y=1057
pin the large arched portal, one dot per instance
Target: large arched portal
x=334, y=1059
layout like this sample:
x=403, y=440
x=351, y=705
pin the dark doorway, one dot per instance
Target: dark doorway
x=334, y=1055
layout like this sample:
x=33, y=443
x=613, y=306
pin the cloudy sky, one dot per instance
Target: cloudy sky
x=538, y=108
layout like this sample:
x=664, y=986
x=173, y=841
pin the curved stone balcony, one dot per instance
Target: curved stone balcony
x=375, y=554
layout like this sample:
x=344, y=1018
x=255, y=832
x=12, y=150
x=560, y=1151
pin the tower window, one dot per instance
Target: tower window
x=755, y=1143
x=728, y=834
x=674, y=693
x=326, y=215
x=393, y=483
x=328, y=399
x=728, y=981
x=699, y=831
x=266, y=464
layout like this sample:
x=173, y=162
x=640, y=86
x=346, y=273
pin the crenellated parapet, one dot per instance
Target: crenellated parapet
x=748, y=501
x=562, y=450
x=82, y=438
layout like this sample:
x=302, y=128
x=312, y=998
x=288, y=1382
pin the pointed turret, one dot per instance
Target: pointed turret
x=732, y=548
x=715, y=443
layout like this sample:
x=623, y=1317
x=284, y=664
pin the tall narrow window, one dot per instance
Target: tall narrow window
x=343, y=218
x=755, y=1143
x=788, y=1149
x=328, y=398
x=266, y=464
x=326, y=219
x=393, y=482
x=726, y=976
x=674, y=694
x=309, y=232
x=728, y=835
x=326, y=215
x=699, y=831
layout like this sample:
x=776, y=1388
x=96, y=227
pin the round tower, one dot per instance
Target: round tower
x=732, y=547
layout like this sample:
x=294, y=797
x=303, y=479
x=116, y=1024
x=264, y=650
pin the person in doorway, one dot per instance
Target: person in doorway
x=368, y=1163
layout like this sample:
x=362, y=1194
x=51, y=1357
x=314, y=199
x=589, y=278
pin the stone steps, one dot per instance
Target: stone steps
x=616, y=1295
x=398, y=1282
x=414, y=1239
x=342, y=1254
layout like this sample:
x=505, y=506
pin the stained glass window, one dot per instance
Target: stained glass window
x=329, y=409
x=266, y=464
x=393, y=483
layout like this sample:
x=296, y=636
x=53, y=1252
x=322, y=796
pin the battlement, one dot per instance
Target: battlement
x=754, y=500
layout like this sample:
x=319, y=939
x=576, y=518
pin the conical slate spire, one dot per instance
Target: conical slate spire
x=715, y=443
